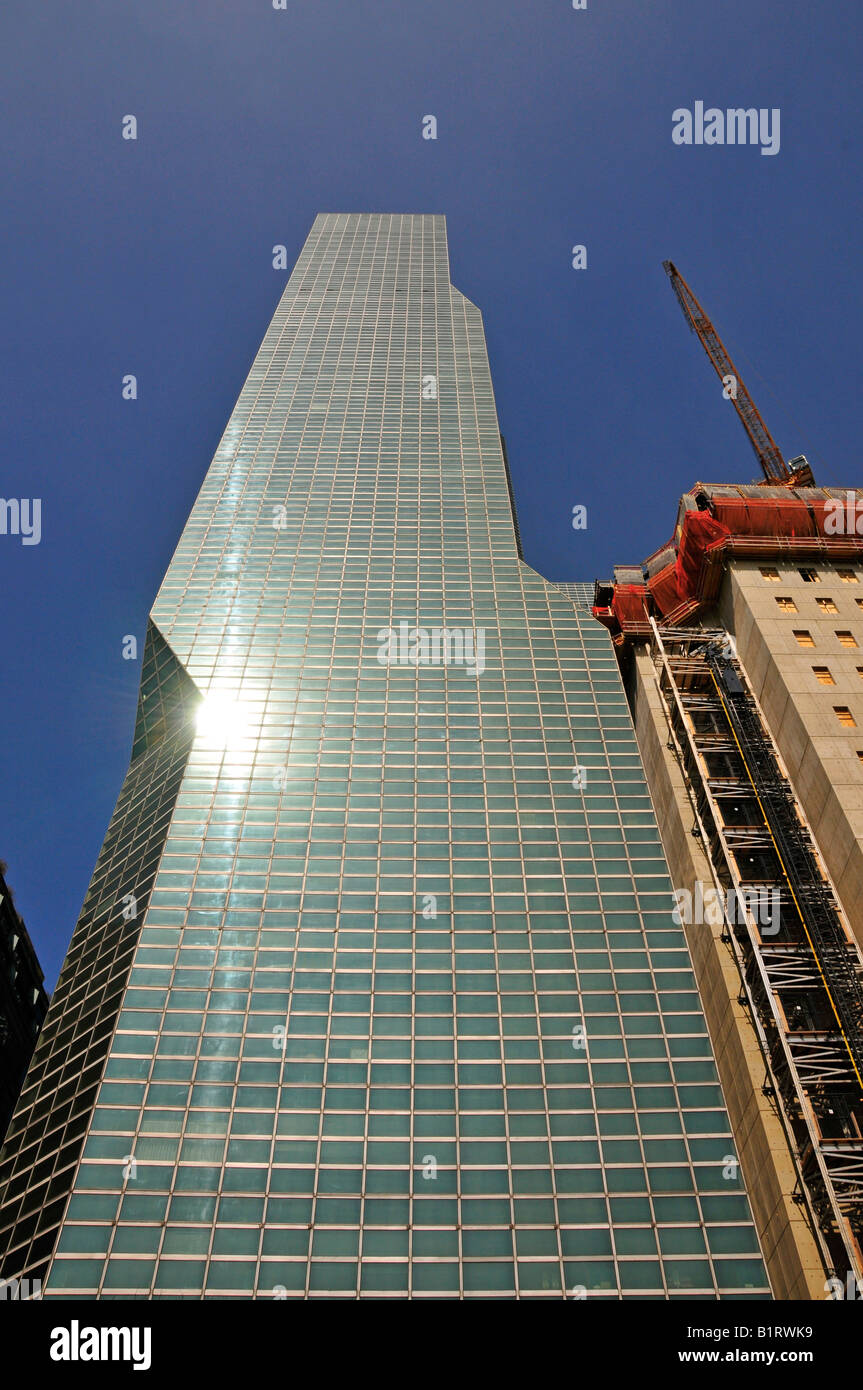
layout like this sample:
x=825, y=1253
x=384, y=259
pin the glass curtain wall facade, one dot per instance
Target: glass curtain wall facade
x=403, y=1011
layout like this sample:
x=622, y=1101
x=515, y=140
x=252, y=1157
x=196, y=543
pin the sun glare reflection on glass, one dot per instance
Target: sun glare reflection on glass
x=223, y=720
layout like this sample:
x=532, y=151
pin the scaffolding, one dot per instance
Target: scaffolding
x=800, y=967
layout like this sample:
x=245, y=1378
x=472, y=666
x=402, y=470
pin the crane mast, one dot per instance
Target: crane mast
x=773, y=464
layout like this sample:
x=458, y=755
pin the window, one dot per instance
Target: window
x=804, y=639
x=787, y=605
x=859, y=602
x=822, y=675
x=847, y=639
x=845, y=717
x=848, y=577
x=860, y=754
x=810, y=576
x=770, y=574
x=827, y=605
x=860, y=672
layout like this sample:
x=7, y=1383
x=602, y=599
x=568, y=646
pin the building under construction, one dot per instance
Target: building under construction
x=741, y=645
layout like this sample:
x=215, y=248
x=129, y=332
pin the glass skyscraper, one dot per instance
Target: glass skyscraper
x=376, y=991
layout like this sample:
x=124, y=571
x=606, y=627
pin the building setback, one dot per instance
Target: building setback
x=376, y=991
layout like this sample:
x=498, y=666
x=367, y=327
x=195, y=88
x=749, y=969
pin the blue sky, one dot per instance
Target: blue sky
x=554, y=129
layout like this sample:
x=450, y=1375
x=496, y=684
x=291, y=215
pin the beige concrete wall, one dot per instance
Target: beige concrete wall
x=790, y=1250
x=820, y=754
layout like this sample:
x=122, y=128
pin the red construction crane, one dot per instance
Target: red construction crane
x=773, y=465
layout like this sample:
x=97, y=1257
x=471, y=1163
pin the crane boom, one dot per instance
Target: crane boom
x=773, y=464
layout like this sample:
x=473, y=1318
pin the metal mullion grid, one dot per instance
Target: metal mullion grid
x=709, y=1256
x=495, y=476
x=190, y=568
x=383, y=330
x=323, y=1110
x=545, y=764
x=573, y=912
x=249, y=467
x=413, y=1030
x=382, y=344
x=392, y=690
x=486, y=475
x=457, y=1039
x=280, y=1110
x=516, y=769
x=635, y=1111
x=137, y=1135
x=324, y=270
x=361, y=1226
x=469, y=585
x=184, y=1129
x=138, y=797
x=376, y=344
x=380, y=905
x=346, y=343
x=542, y=1062
x=565, y=686
x=274, y=1138
x=632, y=1084
x=373, y=972
x=181, y=1134
x=570, y=913
x=231, y=1112
x=690, y=1163
x=661, y=1019
x=423, y=317
x=528, y=912
x=320, y=328
x=361, y=1233
x=679, y=1107
x=506, y=1115
x=282, y=1103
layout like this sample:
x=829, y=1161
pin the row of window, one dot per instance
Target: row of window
x=436, y=1276
x=786, y=604
x=824, y=675
x=804, y=638
x=810, y=576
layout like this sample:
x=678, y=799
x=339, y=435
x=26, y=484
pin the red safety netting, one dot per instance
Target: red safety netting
x=841, y=516
x=700, y=534
x=735, y=525
x=764, y=516
x=629, y=605
x=665, y=588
